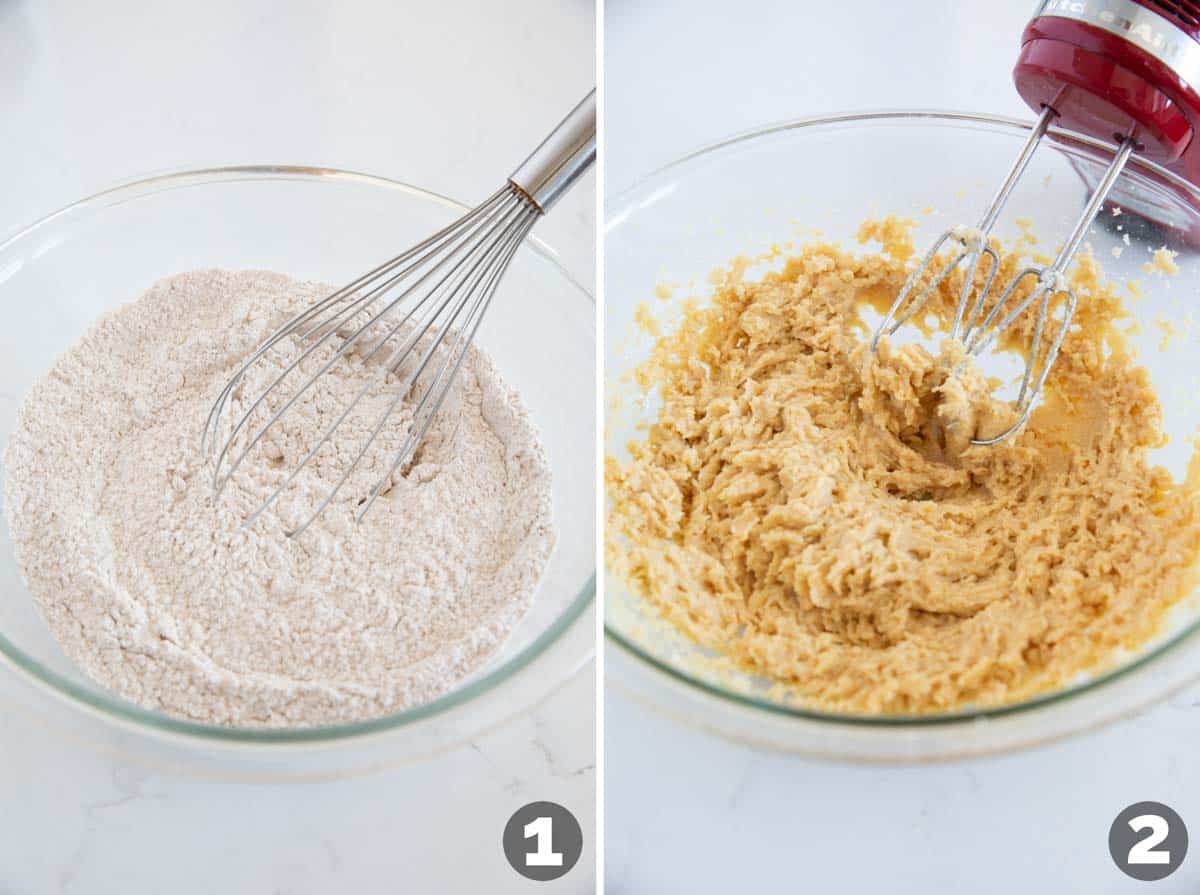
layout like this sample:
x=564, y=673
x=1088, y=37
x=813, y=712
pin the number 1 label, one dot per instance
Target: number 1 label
x=542, y=829
x=557, y=841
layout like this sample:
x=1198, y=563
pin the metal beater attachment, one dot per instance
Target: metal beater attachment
x=977, y=325
x=418, y=313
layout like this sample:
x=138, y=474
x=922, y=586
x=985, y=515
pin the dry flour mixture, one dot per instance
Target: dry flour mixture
x=163, y=595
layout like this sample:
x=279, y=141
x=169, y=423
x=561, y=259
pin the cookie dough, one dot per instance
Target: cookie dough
x=819, y=516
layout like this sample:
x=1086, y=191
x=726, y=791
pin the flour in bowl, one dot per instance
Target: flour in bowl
x=162, y=594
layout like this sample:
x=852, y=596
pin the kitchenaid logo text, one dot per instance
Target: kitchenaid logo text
x=1141, y=26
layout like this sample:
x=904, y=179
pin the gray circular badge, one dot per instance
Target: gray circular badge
x=1148, y=841
x=542, y=841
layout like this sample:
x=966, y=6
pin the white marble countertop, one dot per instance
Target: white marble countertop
x=688, y=813
x=449, y=96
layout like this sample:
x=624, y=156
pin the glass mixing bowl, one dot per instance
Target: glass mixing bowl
x=58, y=275
x=822, y=177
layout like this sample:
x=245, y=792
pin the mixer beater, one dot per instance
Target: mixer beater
x=1121, y=70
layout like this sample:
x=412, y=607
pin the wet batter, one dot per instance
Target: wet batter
x=820, y=516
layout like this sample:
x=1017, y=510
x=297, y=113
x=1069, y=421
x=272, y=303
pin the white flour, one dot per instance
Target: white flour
x=162, y=594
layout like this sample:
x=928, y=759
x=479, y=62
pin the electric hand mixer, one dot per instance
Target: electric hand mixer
x=1121, y=70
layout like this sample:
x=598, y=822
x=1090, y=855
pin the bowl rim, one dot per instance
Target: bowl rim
x=657, y=665
x=944, y=116
x=115, y=708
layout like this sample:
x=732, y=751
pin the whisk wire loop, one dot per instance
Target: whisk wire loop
x=430, y=298
x=424, y=305
x=484, y=276
x=424, y=416
x=482, y=253
x=208, y=436
x=454, y=237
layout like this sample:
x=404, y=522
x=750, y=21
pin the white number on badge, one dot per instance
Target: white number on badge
x=1143, y=851
x=545, y=856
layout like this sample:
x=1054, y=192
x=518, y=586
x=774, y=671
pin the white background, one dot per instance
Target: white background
x=449, y=95
x=686, y=813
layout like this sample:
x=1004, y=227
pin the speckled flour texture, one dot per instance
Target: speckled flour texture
x=165, y=596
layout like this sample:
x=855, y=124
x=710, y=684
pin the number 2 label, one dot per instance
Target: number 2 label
x=542, y=829
x=1143, y=851
x=1147, y=840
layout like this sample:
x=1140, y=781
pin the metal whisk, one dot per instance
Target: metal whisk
x=429, y=300
x=977, y=330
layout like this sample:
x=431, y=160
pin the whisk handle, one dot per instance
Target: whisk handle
x=561, y=158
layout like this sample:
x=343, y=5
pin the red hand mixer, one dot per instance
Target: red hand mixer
x=1121, y=70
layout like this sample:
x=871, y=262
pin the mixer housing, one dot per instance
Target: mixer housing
x=1111, y=67
x=1115, y=67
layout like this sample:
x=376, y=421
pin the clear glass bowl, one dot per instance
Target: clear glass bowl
x=58, y=275
x=785, y=183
